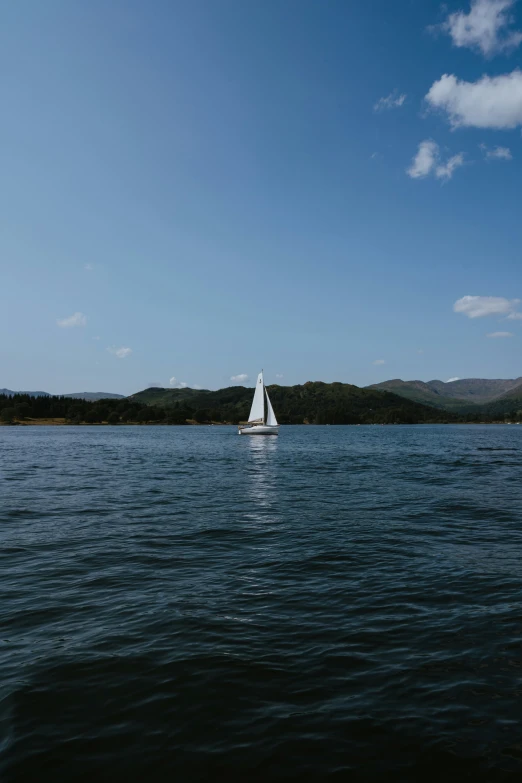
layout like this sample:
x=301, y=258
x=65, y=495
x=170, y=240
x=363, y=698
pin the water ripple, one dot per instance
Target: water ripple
x=339, y=603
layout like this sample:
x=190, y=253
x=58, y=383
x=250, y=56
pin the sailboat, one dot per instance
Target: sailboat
x=262, y=420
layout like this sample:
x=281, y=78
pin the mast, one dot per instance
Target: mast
x=264, y=395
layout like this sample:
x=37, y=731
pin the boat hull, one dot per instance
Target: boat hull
x=259, y=429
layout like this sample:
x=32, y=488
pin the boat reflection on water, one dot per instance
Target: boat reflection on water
x=262, y=479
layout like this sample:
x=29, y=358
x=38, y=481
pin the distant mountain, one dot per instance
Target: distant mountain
x=10, y=393
x=463, y=394
x=508, y=404
x=478, y=390
x=74, y=396
x=94, y=396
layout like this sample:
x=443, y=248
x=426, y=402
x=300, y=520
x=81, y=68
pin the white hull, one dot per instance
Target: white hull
x=259, y=429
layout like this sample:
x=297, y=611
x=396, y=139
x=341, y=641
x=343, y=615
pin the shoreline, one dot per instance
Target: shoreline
x=58, y=422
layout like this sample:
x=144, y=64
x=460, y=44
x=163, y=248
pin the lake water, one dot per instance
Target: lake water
x=338, y=603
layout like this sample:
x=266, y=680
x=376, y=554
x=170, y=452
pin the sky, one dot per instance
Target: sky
x=193, y=191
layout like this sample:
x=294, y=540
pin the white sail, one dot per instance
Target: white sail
x=257, y=411
x=270, y=419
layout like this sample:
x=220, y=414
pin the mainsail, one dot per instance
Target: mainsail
x=257, y=411
x=270, y=419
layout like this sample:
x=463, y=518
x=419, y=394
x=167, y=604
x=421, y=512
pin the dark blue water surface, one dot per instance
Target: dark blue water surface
x=338, y=603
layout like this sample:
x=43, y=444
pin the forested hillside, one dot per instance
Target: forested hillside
x=312, y=402
x=464, y=395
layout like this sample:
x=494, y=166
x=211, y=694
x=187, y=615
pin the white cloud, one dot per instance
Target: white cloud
x=445, y=171
x=450, y=380
x=121, y=353
x=480, y=306
x=501, y=153
x=392, y=101
x=515, y=316
x=500, y=334
x=96, y=338
x=484, y=27
x=88, y=267
x=77, y=319
x=424, y=161
x=241, y=378
x=177, y=384
x=379, y=361
x=490, y=102
x=279, y=375
x=497, y=153
x=427, y=161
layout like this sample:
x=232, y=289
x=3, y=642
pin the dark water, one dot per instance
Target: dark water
x=340, y=603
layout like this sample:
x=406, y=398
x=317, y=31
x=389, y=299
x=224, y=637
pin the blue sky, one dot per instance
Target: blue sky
x=196, y=190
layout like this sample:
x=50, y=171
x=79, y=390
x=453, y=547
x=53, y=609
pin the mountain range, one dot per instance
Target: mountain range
x=474, y=396
x=313, y=402
x=75, y=395
x=494, y=397
x=461, y=395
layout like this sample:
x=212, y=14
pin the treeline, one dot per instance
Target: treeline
x=309, y=403
x=313, y=403
x=22, y=407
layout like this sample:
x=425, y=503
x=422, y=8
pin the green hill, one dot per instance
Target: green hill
x=507, y=406
x=462, y=395
x=155, y=395
x=417, y=391
x=312, y=402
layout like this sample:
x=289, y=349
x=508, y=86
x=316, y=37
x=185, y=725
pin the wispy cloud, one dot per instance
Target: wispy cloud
x=500, y=334
x=88, y=267
x=76, y=319
x=450, y=380
x=177, y=384
x=482, y=306
x=428, y=161
x=445, y=170
x=279, y=375
x=241, y=378
x=515, y=316
x=121, y=353
x=391, y=101
x=379, y=361
x=484, y=28
x=497, y=153
x=420, y=350
x=491, y=102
